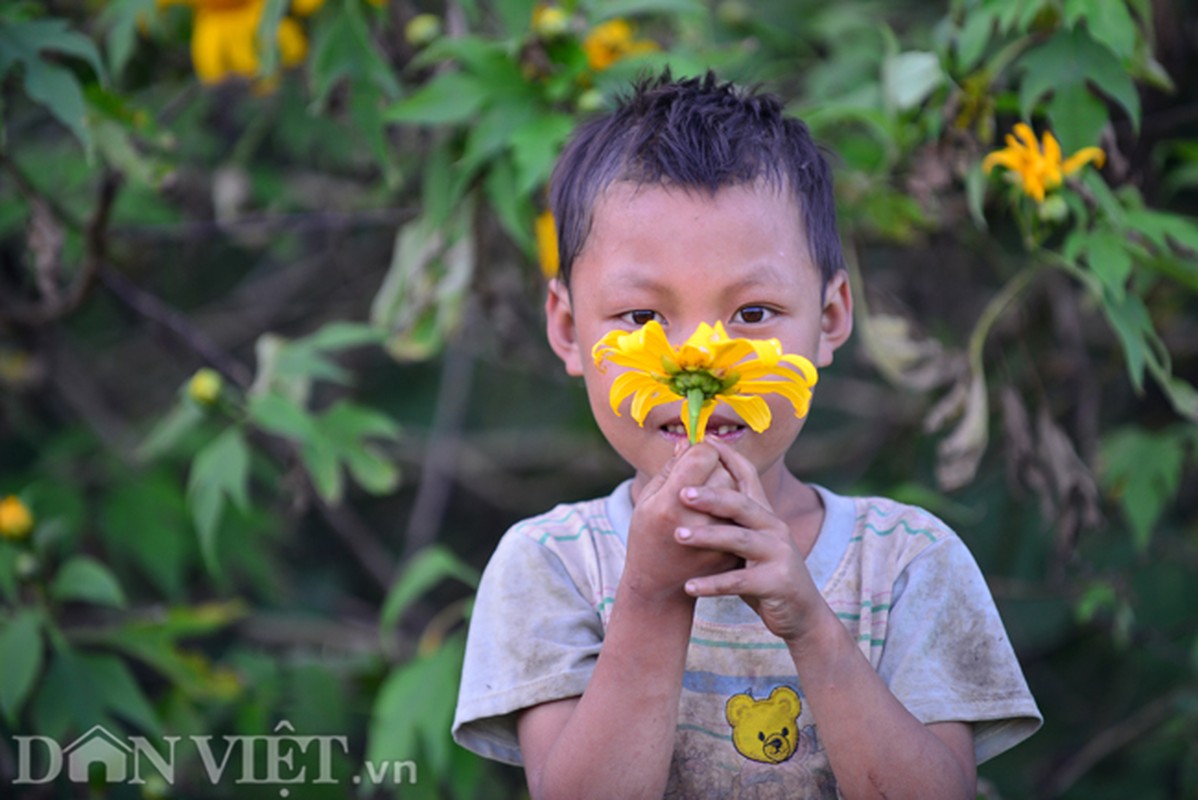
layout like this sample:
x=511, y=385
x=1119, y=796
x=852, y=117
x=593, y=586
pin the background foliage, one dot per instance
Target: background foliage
x=340, y=234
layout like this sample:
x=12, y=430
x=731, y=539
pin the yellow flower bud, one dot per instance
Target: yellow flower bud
x=590, y=100
x=16, y=520
x=550, y=22
x=422, y=29
x=205, y=386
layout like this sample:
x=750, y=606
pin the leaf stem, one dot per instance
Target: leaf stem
x=994, y=309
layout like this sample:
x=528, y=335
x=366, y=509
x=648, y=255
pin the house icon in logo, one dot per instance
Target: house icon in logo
x=98, y=746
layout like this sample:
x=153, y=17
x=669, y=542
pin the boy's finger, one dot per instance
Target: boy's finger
x=694, y=466
x=743, y=471
x=733, y=505
x=663, y=475
x=750, y=545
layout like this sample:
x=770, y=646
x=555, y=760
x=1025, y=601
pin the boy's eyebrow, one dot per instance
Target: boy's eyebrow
x=762, y=275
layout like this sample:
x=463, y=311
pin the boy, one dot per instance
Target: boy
x=716, y=627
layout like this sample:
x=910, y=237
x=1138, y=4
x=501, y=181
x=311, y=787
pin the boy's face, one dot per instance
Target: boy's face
x=740, y=257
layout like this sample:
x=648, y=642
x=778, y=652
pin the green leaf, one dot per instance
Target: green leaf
x=347, y=421
x=21, y=646
x=414, y=707
x=56, y=88
x=373, y=471
x=121, y=17
x=274, y=413
x=1133, y=325
x=366, y=112
x=1107, y=201
x=343, y=48
x=973, y=38
x=975, y=194
x=909, y=78
x=115, y=146
x=342, y=335
x=8, y=570
x=182, y=419
x=609, y=9
x=513, y=207
x=271, y=14
x=1143, y=470
x=515, y=15
x=423, y=571
x=535, y=148
x=219, y=472
x=87, y=580
x=24, y=41
x=46, y=82
x=119, y=692
x=1109, y=22
x=67, y=697
x=492, y=132
x=1106, y=252
x=1182, y=395
x=448, y=99
x=1165, y=229
x=1068, y=63
x=144, y=521
x=320, y=459
x=1077, y=116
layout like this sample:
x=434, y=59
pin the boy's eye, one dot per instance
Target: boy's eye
x=641, y=316
x=752, y=314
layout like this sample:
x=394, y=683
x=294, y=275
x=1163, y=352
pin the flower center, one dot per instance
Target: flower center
x=683, y=382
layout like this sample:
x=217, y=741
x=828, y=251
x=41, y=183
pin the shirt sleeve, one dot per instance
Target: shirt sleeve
x=947, y=656
x=533, y=638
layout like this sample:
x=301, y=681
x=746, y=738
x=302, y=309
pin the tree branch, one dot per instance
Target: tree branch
x=53, y=309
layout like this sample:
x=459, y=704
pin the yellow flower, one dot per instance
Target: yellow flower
x=545, y=228
x=1038, y=168
x=204, y=387
x=16, y=520
x=224, y=35
x=609, y=42
x=708, y=368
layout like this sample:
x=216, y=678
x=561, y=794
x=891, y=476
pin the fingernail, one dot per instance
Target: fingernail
x=679, y=446
x=690, y=587
x=684, y=533
x=691, y=493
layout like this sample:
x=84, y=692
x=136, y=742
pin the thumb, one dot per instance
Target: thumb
x=659, y=480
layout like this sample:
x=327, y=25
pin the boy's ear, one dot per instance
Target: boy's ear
x=559, y=327
x=836, y=320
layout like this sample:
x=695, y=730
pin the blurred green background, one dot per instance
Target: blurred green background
x=273, y=380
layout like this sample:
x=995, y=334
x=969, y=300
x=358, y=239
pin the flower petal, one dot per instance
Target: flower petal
x=1082, y=157
x=1002, y=158
x=752, y=409
x=628, y=383
x=798, y=394
x=1027, y=136
x=647, y=399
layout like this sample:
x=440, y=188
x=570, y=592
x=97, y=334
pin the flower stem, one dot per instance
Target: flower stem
x=694, y=403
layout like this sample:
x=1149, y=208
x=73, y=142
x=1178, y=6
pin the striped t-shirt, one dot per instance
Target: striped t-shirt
x=900, y=580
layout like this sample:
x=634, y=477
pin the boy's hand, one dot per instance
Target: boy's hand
x=774, y=579
x=657, y=565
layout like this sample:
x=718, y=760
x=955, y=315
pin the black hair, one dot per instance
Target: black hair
x=697, y=133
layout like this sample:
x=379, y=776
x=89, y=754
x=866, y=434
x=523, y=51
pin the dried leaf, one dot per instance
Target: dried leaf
x=904, y=359
x=45, y=243
x=958, y=454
